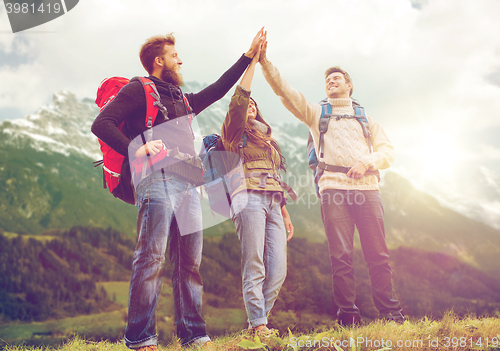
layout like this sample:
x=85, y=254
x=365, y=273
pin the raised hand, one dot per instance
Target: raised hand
x=263, y=49
x=256, y=57
x=256, y=43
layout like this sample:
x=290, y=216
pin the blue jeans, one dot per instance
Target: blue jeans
x=341, y=211
x=166, y=202
x=262, y=233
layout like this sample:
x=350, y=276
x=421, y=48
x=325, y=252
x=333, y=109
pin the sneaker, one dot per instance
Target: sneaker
x=148, y=348
x=207, y=344
x=266, y=332
x=393, y=317
x=199, y=343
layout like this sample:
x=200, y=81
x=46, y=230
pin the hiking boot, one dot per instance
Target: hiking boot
x=350, y=320
x=393, y=317
x=148, y=348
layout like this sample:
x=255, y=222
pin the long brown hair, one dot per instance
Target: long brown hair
x=264, y=140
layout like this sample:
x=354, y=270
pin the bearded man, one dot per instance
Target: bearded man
x=169, y=206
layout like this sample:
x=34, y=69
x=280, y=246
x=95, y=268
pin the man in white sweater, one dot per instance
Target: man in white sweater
x=350, y=193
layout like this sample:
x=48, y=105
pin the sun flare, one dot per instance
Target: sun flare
x=439, y=155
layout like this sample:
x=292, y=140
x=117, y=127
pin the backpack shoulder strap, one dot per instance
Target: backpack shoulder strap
x=359, y=111
x=189, y=108
x=186, y=101
x=153, y=102
x=242, y=144
x=324, y=120
x=312, y=159
x=244, y=138
x=365, y=125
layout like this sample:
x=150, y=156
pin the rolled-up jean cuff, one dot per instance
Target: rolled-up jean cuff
x=152, y=341
x=258, y=321
x=199, y=341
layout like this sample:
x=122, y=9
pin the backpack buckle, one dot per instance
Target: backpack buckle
x=263, y=180
x=323, y=124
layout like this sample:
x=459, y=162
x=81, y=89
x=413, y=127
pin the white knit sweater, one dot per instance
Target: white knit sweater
x=344, y=143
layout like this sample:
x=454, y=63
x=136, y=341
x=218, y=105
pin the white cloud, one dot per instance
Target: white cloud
x=488, y=152
x=412, y=66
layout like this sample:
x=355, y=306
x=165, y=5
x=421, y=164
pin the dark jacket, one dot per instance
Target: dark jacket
x=129, y=106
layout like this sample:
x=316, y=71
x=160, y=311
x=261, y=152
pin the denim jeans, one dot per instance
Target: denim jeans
x=341, y=211
x=164, y=202
x=261, y=230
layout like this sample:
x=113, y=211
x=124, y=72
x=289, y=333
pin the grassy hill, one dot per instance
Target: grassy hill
x=448, y=333
x=76, y=282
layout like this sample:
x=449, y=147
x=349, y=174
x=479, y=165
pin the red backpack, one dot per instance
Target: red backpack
x=116, y=169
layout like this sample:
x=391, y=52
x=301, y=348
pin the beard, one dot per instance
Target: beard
x=170, y=76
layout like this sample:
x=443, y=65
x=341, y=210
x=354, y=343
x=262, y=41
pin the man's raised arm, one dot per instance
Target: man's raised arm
x=292, y=99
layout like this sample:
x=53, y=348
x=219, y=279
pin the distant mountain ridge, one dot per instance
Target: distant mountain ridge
x=62, y=127
x=46, y=166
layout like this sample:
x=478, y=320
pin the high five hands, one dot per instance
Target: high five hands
x=258, y=42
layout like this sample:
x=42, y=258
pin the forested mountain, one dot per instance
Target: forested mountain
x=46, y=166
x=55, y=276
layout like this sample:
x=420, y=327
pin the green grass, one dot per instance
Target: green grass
x=219, y=320
x=111, y=323
x=117, y=291
x=41, y=238
x=224, y=320
x=450, y=333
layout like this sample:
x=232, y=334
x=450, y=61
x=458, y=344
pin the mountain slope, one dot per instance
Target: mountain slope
x=416, y=219
x=45, y=164
x=48, y=190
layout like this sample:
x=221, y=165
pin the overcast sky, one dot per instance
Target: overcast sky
x=427, y=70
